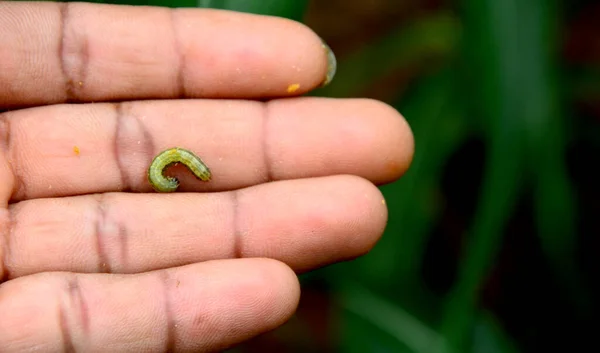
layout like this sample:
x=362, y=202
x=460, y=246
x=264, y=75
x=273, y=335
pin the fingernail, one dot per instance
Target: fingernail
x=331, y=65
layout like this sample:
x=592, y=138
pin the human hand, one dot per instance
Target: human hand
x=91, y=258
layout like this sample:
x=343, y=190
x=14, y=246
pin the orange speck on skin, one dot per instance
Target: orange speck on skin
x=394, y=167
x=76, y=150
x=293, y=87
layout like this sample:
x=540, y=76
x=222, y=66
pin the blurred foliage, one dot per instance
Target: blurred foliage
x=489, y=246
x=290, y=9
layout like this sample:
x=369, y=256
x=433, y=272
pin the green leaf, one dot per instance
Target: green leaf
x=393, y=267
x=545, y=127
x=432, y=109
x=489, y=337
x=497, y=71
x=163, y=3
x=374, y=316
x=283, y=8
x=430, y=37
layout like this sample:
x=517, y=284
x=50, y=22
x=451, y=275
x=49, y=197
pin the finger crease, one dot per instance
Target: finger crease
x=65, y=328
x=78, y=304
x=5, y=132
x=103, y=263
x=123, y=242
x=171, y=329
x=266, y=146
x=119, y=116
x=131, y=142
x=238, y=251
x=180, y=81
x=7, y=225
x=73, y=54
x=18, y=187
x=111, y=230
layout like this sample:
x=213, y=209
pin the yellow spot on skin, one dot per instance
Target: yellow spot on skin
x=383, y=201
x=76, y=150
x=293, y=87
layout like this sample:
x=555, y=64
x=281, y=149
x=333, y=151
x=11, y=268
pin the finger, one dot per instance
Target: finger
x=198, y=308
x=306, y=223
x=77, y=149
x=59, y=52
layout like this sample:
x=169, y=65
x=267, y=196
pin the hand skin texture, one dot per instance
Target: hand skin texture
x=91, y=258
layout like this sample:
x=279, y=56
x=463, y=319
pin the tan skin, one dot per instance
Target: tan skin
x=91, y=258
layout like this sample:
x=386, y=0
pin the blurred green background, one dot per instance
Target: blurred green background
x=492, y=243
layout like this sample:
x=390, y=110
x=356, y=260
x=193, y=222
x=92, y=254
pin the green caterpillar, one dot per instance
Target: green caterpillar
x=162, y=183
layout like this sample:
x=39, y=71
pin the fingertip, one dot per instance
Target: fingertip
x=332, y=218
x=366, y=208
x=386, y=142
x=322, y=68
x=397, y=135
x=267, y=55
x=199, y=307
x=242, y=299
x=281, y=289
